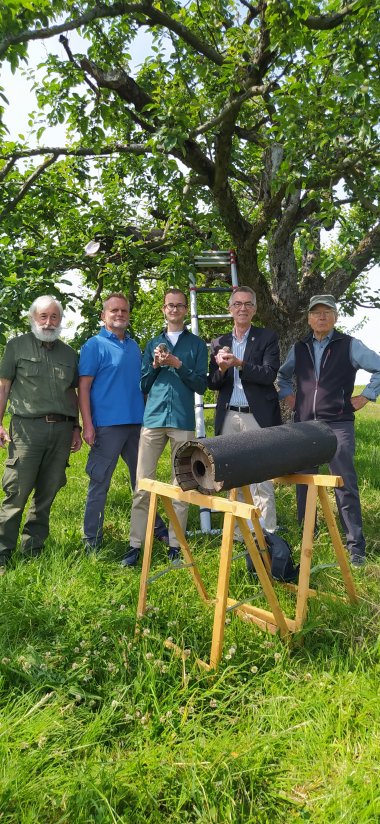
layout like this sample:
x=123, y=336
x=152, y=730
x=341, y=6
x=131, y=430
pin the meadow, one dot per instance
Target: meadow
x=99, y=724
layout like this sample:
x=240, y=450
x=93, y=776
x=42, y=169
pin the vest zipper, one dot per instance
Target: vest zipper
x=327, y=356
x=316, y=383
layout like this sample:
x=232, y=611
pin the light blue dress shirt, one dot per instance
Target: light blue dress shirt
x=238, y=397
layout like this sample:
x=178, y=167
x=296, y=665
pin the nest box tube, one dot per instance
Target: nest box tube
x=229, y=461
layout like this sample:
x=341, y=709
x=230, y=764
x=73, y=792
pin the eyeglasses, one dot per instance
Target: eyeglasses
x=172, y=306
x=238, y=304
x=321, y=314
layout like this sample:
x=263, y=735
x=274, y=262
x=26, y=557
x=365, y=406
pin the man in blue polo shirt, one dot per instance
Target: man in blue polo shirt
x=112, y=408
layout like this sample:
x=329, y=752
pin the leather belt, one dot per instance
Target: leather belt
x=55, y=418
x=239, y=408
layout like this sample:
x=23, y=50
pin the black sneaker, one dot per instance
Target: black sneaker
x=173, y=553
x=131, y=557
x=357, y=560
x=91, y=549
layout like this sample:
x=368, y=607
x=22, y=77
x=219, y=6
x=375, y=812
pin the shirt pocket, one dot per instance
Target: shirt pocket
x=30, y=367
x=10, y=481
x=64, y=371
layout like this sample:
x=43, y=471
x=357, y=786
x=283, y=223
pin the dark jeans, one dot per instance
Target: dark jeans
x=111, y=442
x=347, y=497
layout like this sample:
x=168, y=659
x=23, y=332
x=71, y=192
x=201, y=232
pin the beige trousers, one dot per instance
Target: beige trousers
x=263, y=493
x=152, y=445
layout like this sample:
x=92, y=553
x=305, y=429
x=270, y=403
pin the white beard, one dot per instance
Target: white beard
x=46, y=335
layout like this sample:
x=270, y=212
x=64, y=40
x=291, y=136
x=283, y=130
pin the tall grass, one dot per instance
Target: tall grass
x=101, y=725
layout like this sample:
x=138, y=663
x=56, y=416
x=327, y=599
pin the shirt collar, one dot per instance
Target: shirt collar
x=165, y=331
x=43, y=342
x=245, y=336
x=107, y=334
x=324, y=340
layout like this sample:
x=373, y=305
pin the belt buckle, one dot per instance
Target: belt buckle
x=50, y=419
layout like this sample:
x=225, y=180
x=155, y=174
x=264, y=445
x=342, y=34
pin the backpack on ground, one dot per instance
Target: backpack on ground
x=282, y=566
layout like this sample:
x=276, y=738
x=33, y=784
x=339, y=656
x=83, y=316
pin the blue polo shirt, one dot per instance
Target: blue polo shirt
x=115, y=365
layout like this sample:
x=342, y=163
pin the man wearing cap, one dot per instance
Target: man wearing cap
x=324, y=366
x=243, y=369
x=38, y=373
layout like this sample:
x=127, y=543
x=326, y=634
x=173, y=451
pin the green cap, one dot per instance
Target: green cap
x=326, y=300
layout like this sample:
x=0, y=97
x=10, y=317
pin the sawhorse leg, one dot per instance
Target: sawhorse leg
x=171, y=513
x=147, y=557
x=222, y=590
x=258, y=531
x=306, y=556
x=338, y=545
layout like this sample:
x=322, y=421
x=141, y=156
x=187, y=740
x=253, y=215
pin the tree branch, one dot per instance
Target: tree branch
x=366, y=252
x=27, y=185
x=153, y=16
x=354, y=181
x=229, y=108
x=79, y=151
x=326, y=22
x=253, y=12
x=120, y=82
x=7, y=167
x=344, y=165
x=126, y=87
x=65, y=43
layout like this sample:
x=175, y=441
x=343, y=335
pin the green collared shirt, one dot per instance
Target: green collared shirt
x=170, y=391
x=42, y=378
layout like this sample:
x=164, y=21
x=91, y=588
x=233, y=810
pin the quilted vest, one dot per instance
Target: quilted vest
x=326, y=398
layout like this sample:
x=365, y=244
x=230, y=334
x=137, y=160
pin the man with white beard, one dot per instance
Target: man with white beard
x=38, y=373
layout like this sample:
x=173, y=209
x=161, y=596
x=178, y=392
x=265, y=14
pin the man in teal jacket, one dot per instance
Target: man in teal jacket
x=174, y=368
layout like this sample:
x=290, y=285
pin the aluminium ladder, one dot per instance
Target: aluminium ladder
x=218, y=262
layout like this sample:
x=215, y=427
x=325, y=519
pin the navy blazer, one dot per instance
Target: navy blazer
x=258, y=374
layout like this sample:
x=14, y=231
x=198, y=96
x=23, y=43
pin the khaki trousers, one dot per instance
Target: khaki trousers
x=263, y=493
x=37, y=458
x=152, y=445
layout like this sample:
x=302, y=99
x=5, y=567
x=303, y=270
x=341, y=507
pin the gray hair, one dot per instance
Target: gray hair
x=246, y=289
x=41, y=303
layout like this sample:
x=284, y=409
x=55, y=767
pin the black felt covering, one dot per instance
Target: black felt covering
x=251, y=457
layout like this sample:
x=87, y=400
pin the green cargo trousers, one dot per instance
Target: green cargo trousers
x=37, y=459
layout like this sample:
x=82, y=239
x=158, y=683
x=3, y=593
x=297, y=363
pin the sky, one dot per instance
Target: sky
x=18, y=90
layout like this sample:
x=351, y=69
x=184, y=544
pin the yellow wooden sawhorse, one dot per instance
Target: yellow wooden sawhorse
x=274, y=618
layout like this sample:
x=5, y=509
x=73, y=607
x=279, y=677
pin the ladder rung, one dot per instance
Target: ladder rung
x=211, y=288
x=218, y=269
x=212, y=263
x=214, y=255
x=210, y=317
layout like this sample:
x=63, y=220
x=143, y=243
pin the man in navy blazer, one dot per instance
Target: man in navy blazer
x=243, y=369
